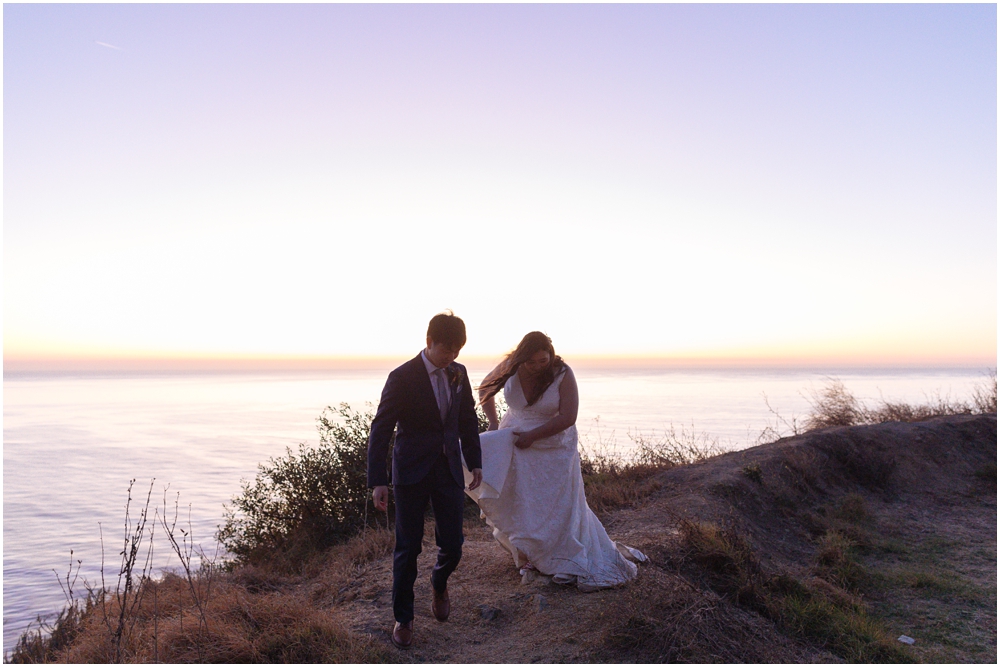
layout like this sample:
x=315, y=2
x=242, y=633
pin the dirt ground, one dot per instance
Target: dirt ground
x=498, y=617
x=927, y=536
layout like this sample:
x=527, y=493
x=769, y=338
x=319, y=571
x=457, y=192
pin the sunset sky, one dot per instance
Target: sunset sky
x=686, y=181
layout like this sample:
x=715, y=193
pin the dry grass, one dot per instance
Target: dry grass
x=821, y=611
x=46, y=641
x=862, y=459
x=724, y=558
x=345, y=572
x=844, y=628
x=835, y=405
x=664, y=619
x=614, y=488
x=852, y=508
x=250, y=614
x=743, y=614
x=858, y=591
x=241, y=628
x=984, y=396
x=836, y=562
x=615, y=480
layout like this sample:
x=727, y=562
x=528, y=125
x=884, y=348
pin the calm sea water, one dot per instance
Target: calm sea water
x=73, y=442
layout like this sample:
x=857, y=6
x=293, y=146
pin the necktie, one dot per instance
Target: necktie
x=441, y=389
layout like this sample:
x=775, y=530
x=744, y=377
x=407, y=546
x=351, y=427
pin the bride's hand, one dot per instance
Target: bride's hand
x=523, y=439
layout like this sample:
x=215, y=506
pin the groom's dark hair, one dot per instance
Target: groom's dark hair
x=447, y=329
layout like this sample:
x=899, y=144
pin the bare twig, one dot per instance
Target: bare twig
x=770, y=433
x=185, y=550
x=67, y=589
x=127, y=595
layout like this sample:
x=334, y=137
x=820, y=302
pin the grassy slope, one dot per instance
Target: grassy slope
x=883, y=530
x=822, y=547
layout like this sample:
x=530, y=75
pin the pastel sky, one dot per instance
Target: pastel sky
x=780, y=181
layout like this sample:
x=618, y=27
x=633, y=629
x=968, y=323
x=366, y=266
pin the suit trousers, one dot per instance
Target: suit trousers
x=447, y=499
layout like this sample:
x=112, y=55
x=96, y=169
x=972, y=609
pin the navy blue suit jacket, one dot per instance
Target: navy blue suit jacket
x=408, y=406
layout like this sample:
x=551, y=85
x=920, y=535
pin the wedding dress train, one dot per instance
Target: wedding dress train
x=534, y=499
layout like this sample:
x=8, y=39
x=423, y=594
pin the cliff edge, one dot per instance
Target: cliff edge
x=859, y=544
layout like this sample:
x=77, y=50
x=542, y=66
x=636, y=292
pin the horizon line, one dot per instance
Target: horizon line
x=194, y=363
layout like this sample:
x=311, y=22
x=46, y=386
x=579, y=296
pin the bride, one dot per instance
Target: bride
x=532, y=491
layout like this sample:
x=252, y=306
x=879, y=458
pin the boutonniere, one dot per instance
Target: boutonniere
x=455, y=376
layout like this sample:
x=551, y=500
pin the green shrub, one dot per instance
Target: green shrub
x=845, y=629
x=753, y=472
x=308, y=500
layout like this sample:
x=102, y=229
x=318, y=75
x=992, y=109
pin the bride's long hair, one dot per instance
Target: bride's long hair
x=531, y=344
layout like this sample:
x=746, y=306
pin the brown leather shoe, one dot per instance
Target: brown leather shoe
x=440, y=605
x=402, y=635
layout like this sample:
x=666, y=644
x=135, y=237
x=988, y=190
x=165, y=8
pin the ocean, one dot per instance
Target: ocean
x=73, y=442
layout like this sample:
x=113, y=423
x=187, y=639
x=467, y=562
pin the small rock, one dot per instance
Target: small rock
x=539, y=602
x=907, y=640
x=488, y=613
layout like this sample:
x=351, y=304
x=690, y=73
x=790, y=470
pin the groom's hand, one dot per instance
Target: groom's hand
x=477, y=479
x=381, y=497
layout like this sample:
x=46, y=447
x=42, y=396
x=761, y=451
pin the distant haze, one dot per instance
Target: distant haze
x=689, y=183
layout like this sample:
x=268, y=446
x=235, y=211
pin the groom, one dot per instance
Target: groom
x=428, y=401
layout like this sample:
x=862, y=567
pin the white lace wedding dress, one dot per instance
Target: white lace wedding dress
x=534, y=500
